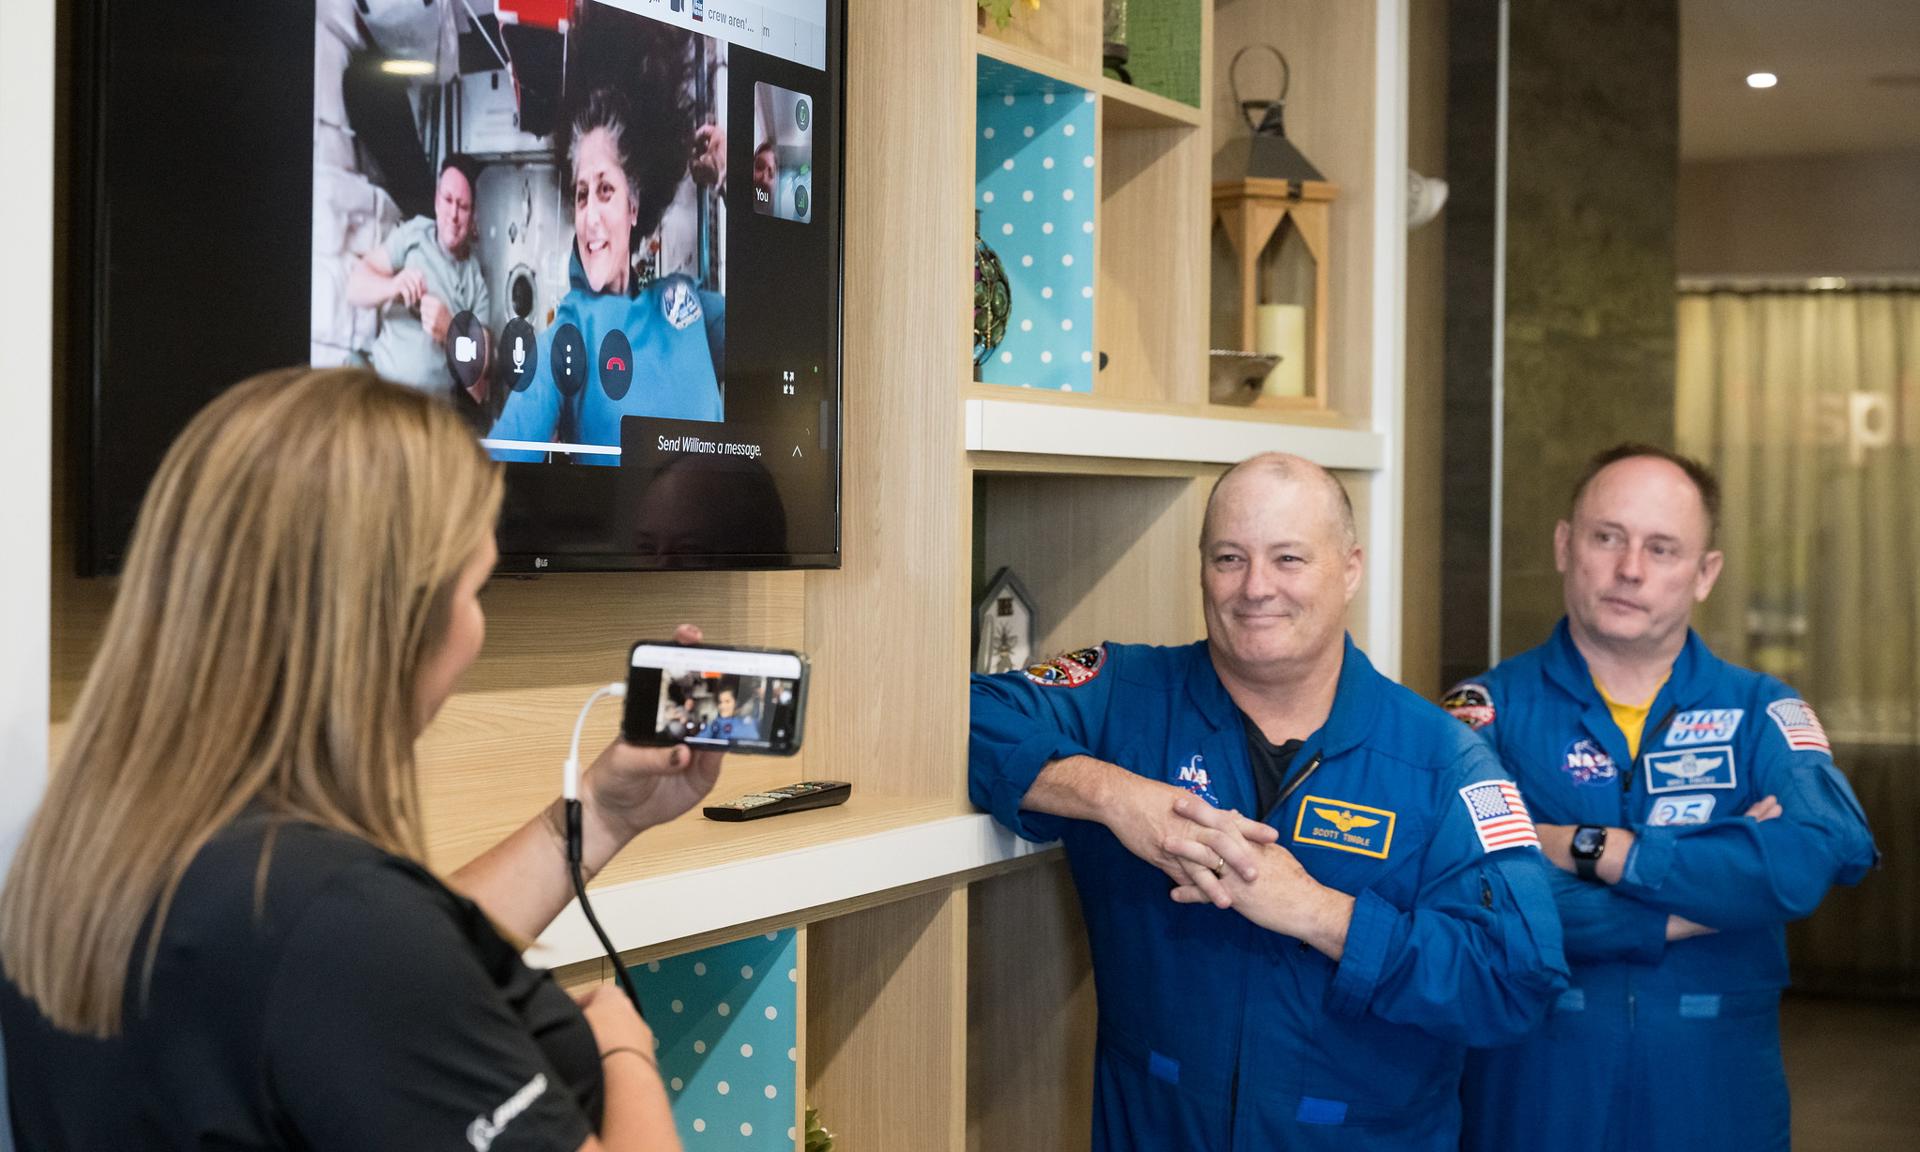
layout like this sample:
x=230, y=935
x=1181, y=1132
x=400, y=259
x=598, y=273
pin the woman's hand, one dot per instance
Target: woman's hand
x=637, y=1114
x=523, y=882
x=614, y=1022
x=630, y=789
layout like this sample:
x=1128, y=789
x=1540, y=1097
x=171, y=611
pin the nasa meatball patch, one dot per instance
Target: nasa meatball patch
x=1470, y=703
x=1588, y=765
x=1069, y=669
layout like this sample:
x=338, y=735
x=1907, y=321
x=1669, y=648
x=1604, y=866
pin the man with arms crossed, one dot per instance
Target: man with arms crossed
x=1692, y=809
x=1306, y=890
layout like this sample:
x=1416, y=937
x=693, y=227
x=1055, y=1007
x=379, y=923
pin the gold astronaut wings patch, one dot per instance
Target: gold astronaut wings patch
x=1344, y=827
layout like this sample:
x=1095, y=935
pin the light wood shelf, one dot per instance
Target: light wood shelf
x=1129, y=107
x=1037, y=63
x=1044, y=425
x=1125, y=105
x=698, y=880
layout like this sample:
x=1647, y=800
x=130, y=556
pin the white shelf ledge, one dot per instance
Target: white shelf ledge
x=1081, y=430
x=679, y=905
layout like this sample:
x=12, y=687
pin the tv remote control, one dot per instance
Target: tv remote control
x=775, y=801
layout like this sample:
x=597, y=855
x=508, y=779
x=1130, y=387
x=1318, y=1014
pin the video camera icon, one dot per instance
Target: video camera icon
x=466, y=350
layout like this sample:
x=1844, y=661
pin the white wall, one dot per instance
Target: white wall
x=26, y=388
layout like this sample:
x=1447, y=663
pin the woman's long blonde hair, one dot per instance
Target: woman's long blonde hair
x=292, y=567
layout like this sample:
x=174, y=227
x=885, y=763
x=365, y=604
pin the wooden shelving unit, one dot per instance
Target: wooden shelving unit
x=942, y=976
x=1096, y=499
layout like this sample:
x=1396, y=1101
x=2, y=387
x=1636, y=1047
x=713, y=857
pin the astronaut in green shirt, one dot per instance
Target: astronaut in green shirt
x=420, y=278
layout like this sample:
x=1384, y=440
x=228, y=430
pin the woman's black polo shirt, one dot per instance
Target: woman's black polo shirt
x=363, y=1005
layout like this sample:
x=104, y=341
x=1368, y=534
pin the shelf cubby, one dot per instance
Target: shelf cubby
x=1167, y=49
x=1152, y=292
x=1066, y=32
x=1036, y=196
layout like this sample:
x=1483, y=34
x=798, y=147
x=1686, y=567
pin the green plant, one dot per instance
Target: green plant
x=818, y=1138
x=1001, y=11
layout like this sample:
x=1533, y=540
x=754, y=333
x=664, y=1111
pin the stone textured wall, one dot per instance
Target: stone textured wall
x=1593, y=162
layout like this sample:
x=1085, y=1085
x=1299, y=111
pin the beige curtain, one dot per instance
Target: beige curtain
x=1807, y=404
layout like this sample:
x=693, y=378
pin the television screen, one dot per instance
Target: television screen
x=606, y=232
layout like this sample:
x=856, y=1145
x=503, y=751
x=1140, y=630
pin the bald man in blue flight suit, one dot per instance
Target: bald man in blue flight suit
x=1692, y=809
x=1306, y=890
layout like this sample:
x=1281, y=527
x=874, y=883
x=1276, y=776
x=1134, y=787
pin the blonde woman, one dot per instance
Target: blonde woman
x=218, y=932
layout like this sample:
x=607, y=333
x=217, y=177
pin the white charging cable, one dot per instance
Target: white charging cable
x=570, y=777
x=570, y=796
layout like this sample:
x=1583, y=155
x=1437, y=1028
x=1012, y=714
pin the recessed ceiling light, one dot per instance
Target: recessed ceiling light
x=1762, y=80
x=407, y=67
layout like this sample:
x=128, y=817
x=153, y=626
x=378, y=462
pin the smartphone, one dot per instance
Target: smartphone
x=750, y=700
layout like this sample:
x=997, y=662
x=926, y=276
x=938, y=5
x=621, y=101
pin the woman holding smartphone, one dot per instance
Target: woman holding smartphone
x=219, y=931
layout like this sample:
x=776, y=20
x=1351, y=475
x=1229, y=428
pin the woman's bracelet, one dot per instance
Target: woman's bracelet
x=647, y=1056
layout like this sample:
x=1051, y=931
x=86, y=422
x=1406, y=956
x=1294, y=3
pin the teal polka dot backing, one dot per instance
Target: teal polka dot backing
x=1035, y=184
x=726, y=1019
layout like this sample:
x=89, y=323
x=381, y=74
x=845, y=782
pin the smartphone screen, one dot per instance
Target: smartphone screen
x=739, y=699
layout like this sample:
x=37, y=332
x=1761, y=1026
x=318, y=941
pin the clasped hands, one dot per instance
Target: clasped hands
x=1217, y=856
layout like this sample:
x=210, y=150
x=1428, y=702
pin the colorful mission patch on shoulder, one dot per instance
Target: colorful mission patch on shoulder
x=1470, y=703
x=1499, y=816
x=1799, y=725
x=1069, y=669
x=680, y=304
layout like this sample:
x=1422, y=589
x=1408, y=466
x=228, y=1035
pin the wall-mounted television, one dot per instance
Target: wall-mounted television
x=607, y=232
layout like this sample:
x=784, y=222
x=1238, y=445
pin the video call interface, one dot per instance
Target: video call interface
x=720, y=708
x=714, y=696
x=596, y=228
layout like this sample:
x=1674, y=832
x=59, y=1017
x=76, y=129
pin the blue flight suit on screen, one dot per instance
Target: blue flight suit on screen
x=1658, y=1045
x=1216, y=1035
x=676, y=334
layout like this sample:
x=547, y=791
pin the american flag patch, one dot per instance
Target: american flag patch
x=1799, y=725
x=1499, y=815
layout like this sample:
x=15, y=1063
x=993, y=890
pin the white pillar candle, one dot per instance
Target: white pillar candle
x=1281, y=329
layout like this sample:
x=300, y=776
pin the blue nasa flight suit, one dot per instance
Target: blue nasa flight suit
x=1218, y=1035
x=677, y=334
x=1658, y=1045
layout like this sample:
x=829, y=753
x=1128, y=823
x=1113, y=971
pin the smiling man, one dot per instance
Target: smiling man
x=1683, y=846
x=1306, y=890
x=420, y=277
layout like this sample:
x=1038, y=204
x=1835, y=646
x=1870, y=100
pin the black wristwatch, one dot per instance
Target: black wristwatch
x=1589, y=841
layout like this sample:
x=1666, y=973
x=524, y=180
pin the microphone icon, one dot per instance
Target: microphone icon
x=519, y=353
